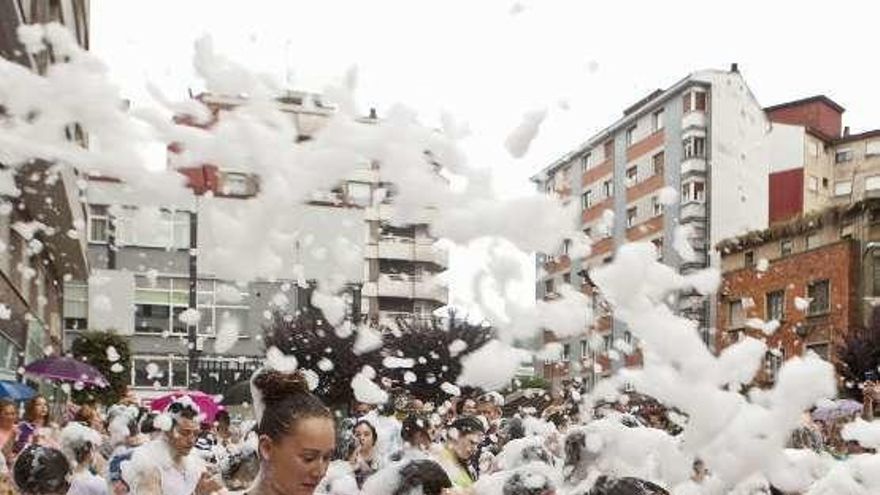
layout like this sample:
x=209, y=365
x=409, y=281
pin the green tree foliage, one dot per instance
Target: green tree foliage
x=91, y=348
x=309, y=338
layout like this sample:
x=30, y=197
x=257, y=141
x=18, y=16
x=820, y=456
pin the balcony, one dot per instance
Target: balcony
x=694, y=120
x=692, y=211
x=407, y=249
x=407, y=287
x=693, y=166
x=365, y=175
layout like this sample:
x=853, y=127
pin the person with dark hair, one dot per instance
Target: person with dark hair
x=422, y=476
x=465, y=434
x=364, y=460
x=296, y=434
x=415, y=432
x=167, y=464
x=37, y=425
x=40, y=470
x=8, y=426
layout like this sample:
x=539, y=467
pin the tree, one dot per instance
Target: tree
x=91, y=348
x=309, y=338
x=859, y=356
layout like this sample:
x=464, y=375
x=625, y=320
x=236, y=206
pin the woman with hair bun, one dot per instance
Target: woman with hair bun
x=296, y=431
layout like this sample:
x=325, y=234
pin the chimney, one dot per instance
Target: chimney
x=373, y=114
x=845, y=131
x=734, y=67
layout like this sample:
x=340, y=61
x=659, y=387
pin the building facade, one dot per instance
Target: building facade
x=41, y=214
x=801, y=285
x=705, y=137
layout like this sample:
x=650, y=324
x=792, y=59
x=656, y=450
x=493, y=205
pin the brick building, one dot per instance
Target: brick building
x=815, y=276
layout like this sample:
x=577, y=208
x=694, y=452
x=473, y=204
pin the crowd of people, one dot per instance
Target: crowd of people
x=294, y=444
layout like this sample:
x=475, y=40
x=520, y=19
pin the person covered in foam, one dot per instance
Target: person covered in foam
x=167, y=465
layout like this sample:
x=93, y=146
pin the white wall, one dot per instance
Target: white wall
x=111, y=301
x=785, y=147
x=739, y=160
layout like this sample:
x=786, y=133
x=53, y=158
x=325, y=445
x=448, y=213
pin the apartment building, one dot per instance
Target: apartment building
x=802, y=284
x=41, y=215
x=707, y=138
x=818, y=162
x=400, y=262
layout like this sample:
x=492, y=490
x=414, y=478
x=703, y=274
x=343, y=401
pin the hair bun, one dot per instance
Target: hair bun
x=276, y=385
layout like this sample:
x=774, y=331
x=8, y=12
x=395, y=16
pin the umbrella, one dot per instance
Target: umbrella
x=207, y=403
x=15, y=391
x=64, y=368
x=238, y=394
x=831, y=410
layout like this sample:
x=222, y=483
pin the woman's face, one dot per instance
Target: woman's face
x=364, y=435
x=297, y=462
x=8, y=416
x=41, y=407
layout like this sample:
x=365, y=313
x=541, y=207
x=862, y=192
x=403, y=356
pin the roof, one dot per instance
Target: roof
x=857, y=137
x=794, y=227
x=803, y=101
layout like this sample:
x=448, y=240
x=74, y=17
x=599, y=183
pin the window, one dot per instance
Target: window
x=872, y=148
x=875, y=275
x=548, y=286
x=813, y=183
x=586, y=199
x=630, y=135
x=658, y=245
x=811, y=241
x=235, y=184
x=785, y=247
x=566, y=246
x=161, y=372
x=824, y=182
x=566, y=278
x=694, y=147
x=99, y=223
x=75, y=306
x=627, y=337
x=773, y=362
x=843, y=156
x=694, y=101
x=736, y=316
x=632, y=175
x=872, y=183
x=607, y=342
x=749, y=258
x=566, y=352
x=843, y=188
x=609, y=149
x=776, y=305
x=694, y=191
x=700, y=101
x=656, y=206
x=657, y=120
x=821, y=349
x=819, y=295
x=585, y=350
x=588, y=232
x=631, y=214
x=658, y=161
x=608, y=188
x=585, y=162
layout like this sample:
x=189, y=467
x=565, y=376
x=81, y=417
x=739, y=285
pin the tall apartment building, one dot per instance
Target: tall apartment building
x=40, y=211
x=707, y=138
x=140, y=258
x=400, y=262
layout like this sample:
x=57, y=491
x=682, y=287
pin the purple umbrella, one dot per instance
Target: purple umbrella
x=837, y=409
x=66, y=369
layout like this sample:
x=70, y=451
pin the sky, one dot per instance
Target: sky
x=488, y=62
